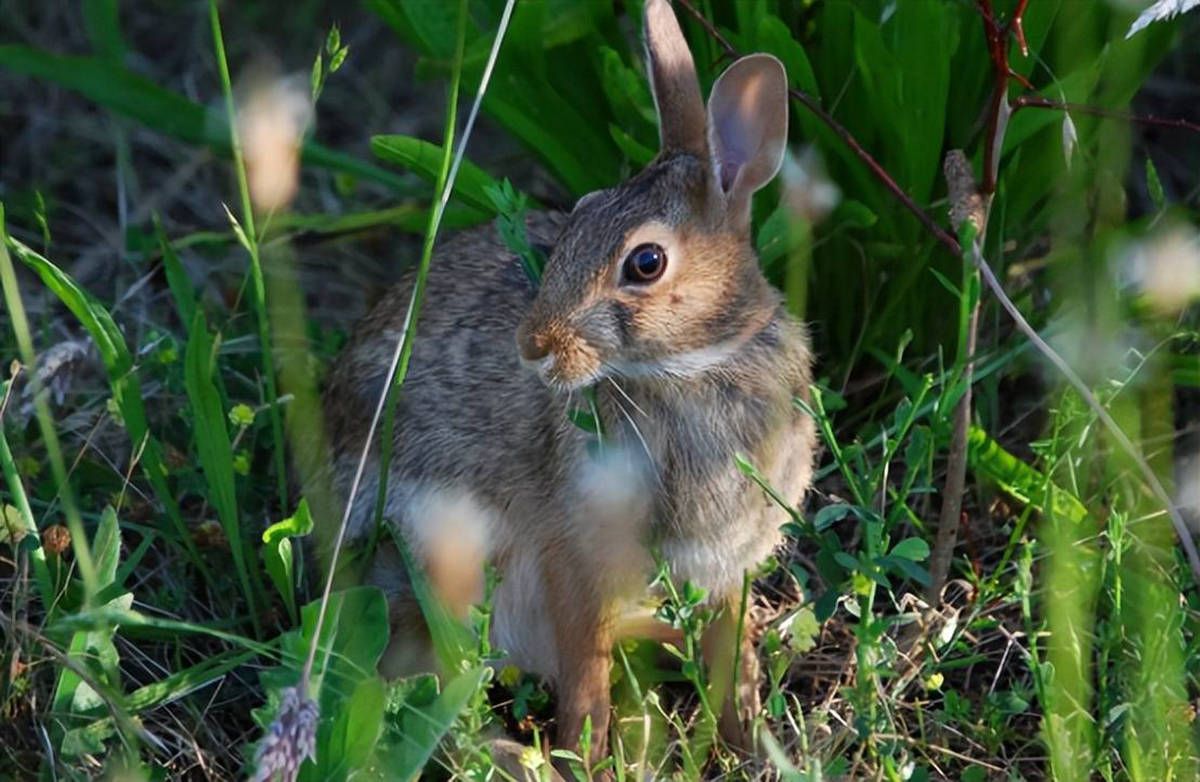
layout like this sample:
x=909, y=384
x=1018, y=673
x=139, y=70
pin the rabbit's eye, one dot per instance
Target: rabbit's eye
x=645, y=263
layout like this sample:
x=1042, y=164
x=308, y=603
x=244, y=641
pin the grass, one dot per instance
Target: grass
x=164, y=517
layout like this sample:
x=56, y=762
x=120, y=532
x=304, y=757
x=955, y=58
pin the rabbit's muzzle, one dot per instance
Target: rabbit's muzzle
x=561, y=357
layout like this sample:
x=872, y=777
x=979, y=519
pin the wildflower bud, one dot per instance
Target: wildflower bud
x=56, y=539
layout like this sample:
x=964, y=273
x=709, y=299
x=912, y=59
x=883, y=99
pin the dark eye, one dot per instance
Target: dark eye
x=645, y=263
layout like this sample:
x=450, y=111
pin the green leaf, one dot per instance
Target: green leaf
x=425, y=160
x=177, y=279
x=452, y=641
x=512, y=207
x=345, y=684
x=118, y=363
x=350, y=740
x=213, y=447
x=419, y=728
x=826, y=516
x=775, y=38
x=277, y=552
x=913, y=549
x=853, y=214
x=988, y=459
x=93, y=648
x=1154, y=185
x=314, y=79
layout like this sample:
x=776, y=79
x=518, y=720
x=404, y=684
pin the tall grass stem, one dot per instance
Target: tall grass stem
x=256, y=273
x=12, y=477
x=20, y=325
x=404, y=344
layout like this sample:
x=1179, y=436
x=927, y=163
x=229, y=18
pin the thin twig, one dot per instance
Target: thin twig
x=1156, y=487
x=972, y=204
x=1038, y=102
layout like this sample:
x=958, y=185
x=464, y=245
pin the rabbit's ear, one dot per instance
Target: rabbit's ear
x=673, y=80
x=747, y=128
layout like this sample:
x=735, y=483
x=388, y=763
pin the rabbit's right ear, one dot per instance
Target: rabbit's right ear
x=748, y=128
x=681, y=115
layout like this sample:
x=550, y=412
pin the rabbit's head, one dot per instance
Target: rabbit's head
x=657, y=277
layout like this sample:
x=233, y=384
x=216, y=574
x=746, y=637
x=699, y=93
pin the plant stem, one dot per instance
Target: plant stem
x=20, y=326
x=12, y=477
x=410, y=321
x=256, y=272
x=418, y=293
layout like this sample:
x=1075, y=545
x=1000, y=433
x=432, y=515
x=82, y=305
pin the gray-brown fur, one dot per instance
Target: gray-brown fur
x=688, y=371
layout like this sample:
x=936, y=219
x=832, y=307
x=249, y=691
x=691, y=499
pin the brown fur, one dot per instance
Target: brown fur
x=687, y=371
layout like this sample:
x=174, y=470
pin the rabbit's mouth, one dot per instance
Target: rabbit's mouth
x=566, y=371
x=563, y=359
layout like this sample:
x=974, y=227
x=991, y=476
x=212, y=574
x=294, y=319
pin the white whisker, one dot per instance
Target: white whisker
x=637, y=432
x=628, y=398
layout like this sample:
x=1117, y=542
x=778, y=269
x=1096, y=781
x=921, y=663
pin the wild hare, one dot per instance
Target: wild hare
x=651, y=296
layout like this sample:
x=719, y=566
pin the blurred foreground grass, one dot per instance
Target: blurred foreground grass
x=156, y=603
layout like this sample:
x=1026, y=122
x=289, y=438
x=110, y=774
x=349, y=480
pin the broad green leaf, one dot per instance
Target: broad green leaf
x=277, y=552
x=988, y=459
x=350, y=741
x=914, y=549
x=353, y=637
x=419, y=727
x=921, y=84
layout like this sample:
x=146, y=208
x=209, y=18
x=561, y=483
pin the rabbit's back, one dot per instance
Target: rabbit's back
x=467, y=414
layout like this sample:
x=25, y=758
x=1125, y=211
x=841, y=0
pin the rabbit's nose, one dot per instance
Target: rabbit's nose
x=532, y=345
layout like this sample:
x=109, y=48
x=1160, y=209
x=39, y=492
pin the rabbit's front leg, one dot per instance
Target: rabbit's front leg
x=733, y=692
x=583, y=634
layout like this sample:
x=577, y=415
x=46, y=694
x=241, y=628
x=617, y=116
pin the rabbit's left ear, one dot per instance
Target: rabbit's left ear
x=747, y=128
x=673, y=80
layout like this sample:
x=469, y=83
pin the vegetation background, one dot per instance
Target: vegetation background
x=169, y=313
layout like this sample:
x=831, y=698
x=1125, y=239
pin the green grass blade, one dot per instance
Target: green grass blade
x=122, y=378
x=214, y=448
x=177, y=279
x=125, y=93
x=425, y=160
x=250, y=239
x=37, y=555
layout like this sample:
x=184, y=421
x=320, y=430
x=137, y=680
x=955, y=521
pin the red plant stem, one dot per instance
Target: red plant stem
x=1015, y=25
x=997, y=45
x=810, y=103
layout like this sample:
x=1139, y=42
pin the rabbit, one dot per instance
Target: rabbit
x=652, y=298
